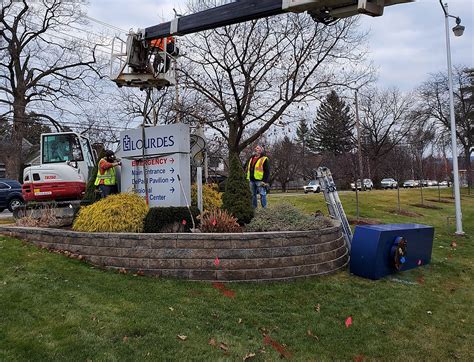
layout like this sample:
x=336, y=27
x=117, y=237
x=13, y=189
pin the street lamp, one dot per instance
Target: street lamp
x=458, y=31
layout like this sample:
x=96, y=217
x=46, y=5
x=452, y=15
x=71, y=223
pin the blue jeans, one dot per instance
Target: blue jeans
x=106, y=190
x=257, y=188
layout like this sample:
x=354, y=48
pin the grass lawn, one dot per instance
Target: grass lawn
x=54, y=308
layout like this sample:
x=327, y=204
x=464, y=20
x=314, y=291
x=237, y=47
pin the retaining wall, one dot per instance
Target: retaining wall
x=243, y=257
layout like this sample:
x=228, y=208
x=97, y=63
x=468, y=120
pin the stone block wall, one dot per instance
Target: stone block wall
x=242, y=257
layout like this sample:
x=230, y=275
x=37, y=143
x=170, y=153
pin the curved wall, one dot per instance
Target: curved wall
x=242, y=257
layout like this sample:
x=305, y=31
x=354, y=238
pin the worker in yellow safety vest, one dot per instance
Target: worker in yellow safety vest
x=106, y=177
x=258, y=174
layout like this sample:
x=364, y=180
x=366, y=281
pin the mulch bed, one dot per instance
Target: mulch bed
x=363, y=221
x=444, y=201
x=426, y=206
x=405, y=213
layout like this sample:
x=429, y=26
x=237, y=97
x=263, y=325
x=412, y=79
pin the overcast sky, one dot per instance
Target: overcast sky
x=407, y=42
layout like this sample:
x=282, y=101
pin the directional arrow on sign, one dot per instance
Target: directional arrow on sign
x=172, y=170
x=172, y=190
x=172, y=179
x=172, y=160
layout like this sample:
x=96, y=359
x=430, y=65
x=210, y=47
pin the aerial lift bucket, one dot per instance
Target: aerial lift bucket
x=136, y=63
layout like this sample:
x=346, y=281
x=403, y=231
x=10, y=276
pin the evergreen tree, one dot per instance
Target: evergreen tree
x=303, y=134
x=91, y=195
x=332, y=129
x=237, y=198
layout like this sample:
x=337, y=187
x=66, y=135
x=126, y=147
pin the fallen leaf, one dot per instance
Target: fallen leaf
x=240, y=320
x=429, y=312
x=359, y=358
x=249, y=356
x=267, y=340
x=317, y=308
x=182, y=337
x=224, y=347
x=171, y=309
x=212, y=342
x=217, y=285
x=228, y=293
x=420, y=279
x=277, y=347
x=348, y=321
x=125, y=339
x=454, y=244
x=264, y=331
x=217, y=261
x=310, y=334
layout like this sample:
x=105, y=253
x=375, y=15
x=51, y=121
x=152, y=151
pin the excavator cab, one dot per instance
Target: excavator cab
x=144, y=64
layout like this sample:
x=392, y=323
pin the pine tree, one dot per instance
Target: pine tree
x=91, y=195
x=332, y=129
x=302, y=134
x=237, y=198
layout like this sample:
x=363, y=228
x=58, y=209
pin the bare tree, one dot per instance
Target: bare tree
x=386, y=116
x=250, y=75
x=285, y=165
x=434, y=96
x=40, y=70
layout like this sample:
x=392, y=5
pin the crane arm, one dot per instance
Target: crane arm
x=147, y=61
x=239, y=11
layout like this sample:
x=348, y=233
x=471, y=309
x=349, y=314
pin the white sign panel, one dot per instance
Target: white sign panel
x=159, y=140
x=162, y=172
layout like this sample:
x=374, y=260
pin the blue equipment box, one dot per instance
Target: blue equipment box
x=380, y=250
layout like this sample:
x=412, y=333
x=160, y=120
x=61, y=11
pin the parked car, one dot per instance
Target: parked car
x=368, y=185
x=445, y=183
x=409, y=184
x=388, y=183
x=10, y=194
x=313, y=186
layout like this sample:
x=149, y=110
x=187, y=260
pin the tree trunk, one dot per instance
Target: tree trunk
x=14, y=159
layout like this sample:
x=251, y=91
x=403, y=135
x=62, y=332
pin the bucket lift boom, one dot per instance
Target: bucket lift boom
x=140, y=64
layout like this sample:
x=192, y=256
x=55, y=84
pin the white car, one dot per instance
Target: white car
x=409, y=184
x=388, y=183
x=313, y=186
x=368, y=185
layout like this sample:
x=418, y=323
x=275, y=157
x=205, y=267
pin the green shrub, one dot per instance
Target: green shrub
x=285, y=217
x=170, y=219
x=211, y=197
x=219, y=221
x=115, y=213
x=237, y=198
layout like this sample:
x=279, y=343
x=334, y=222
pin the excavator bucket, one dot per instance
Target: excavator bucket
x=142, y=64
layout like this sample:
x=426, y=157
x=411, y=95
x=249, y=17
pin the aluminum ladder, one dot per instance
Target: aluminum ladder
x=336, y=211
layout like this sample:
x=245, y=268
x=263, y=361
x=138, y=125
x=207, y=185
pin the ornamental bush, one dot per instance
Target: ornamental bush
x=219, y=221
x=211, y=197
x=115, y=213
x=285, y=217
x=237, y=199
x=170, y=219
